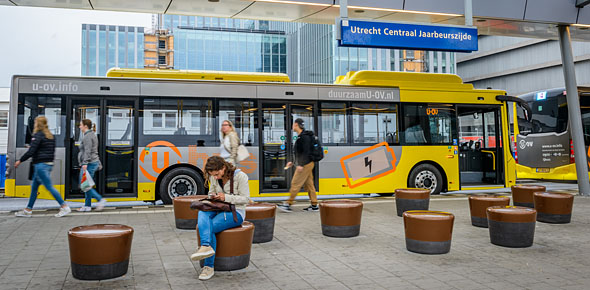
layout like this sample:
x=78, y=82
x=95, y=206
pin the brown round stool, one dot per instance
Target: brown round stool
x=522, y=195
x=428, y=232
x=233, y=248
x=555, y=208
x=478, y=205
x=512, y=226
x=262, y=215
x=99, y=252
x=341, y=218
x=184, y=216
x=411, y=199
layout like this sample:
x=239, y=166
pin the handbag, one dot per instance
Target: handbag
x=208, y=204
x=243, y=153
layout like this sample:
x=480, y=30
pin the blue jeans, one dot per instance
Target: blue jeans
x=42, y=175
x=91, y=167
x=211, y=223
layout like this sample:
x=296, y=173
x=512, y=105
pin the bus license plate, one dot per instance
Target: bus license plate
x=542, y=170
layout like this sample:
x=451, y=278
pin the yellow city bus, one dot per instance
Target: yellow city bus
x=379, y=131
x=542, y=145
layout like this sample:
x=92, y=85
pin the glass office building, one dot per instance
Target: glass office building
x=223, y=44
x=229, y=51
x=108, y=46
x=314, y=56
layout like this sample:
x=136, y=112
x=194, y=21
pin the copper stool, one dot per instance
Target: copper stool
x=184, y=216
x=428, y=232
x=522, y=195
x=478, y=205
x=411, y=199
x=512, y=226
x=341, y=218
x=99, y=252
x=233, y=247
x=262, y=215
x=555, y=208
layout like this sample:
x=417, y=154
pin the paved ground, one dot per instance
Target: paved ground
x=34, y=254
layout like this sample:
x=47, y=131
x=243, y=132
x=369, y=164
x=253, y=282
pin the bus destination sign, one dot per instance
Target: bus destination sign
x=356, y=33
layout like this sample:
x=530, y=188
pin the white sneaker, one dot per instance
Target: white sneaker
x=206, y=273
x=23, y=213
x=203, y=253
x=101, y=203
x=84, y=208
x=63, y=211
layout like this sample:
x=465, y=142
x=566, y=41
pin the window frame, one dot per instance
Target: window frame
x=211, y=140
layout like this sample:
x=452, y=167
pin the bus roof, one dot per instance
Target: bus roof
x=403, y=80
x=197, y=75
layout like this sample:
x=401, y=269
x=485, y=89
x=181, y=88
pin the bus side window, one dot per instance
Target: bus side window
x=427, y=124
x=374, y=123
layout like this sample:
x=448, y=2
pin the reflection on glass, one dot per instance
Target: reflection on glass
x=177, y=117
x=274, y=146
x=374, y=123
x=243, y=115
x=333, y=121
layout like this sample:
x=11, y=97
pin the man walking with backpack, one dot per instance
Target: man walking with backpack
x=304, y=164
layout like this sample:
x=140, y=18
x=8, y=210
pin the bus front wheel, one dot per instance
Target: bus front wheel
x=180, y=182
x=426, y=176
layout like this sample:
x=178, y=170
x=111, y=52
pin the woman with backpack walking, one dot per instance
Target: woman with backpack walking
x=42, y=150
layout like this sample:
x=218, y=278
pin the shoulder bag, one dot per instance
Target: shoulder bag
x=208, y=204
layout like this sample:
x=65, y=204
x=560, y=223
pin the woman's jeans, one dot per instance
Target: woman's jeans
x=211, y=223
x=91, y=167
x=42, y=175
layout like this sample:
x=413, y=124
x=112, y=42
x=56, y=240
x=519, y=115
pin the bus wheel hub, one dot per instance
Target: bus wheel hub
x=426, y=179
x=182, y=185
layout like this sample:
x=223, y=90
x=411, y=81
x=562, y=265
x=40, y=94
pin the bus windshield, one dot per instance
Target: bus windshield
x=548, y=115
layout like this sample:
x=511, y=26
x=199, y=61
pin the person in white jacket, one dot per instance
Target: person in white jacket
x=229, y=142
x=220, y=173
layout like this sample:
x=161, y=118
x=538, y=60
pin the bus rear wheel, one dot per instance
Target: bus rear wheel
x=426, y=176
x=180, y=182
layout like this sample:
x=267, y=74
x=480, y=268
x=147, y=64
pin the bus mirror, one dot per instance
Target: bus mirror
x=527, y=109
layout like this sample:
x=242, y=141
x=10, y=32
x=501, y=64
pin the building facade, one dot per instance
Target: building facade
x=314, y=56
x=159, y=49
x=521, y=65
x=223, y=44
x=108, y=46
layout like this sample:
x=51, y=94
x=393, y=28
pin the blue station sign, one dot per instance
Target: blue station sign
x=357, y=33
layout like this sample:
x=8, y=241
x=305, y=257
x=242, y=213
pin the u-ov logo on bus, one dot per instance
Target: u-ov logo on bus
x=524, y=144
x=155, y=167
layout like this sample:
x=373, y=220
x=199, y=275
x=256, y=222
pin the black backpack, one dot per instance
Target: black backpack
x=317, y=151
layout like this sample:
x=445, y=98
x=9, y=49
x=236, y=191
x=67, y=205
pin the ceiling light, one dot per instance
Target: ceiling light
x=294, y=2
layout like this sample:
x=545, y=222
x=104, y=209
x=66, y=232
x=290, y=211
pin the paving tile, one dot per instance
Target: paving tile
x=300, y=257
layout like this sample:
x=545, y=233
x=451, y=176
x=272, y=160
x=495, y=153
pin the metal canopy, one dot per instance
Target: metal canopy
x=523, y=18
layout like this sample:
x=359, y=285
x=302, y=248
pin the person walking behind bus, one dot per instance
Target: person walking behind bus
x=89, y=161
x=219, y=173
x=303, y=175
x=229, y=142
x=42, y=150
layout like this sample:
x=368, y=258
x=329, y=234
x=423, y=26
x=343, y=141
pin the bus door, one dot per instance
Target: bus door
x=277, y=141
x=114, y=122
x=480, y=146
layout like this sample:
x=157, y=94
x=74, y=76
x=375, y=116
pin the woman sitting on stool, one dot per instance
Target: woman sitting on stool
x=219, y=173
